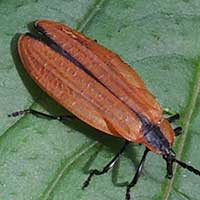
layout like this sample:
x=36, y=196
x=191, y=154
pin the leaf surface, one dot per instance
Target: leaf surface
x=41, y=159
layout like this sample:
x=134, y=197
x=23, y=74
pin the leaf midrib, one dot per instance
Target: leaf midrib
x=188, y=115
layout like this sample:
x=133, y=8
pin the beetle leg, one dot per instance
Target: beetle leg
x=40, y=114
x=137, y=175
x=169, y=168
x=188, y=167
x=173, y=118
x=178, y=131
x=109, y=166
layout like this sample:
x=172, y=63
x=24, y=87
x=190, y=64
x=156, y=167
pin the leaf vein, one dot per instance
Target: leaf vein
x=187, y=118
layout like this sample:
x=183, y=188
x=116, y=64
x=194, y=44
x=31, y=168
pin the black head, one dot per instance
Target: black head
x=156, y=138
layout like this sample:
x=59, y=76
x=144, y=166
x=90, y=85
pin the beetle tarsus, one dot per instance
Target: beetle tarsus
x=108, y=167
x=17, y=113
x=92, y=173
x=36, y=113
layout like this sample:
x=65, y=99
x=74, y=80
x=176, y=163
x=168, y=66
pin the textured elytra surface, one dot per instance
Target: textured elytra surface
x=40, y=159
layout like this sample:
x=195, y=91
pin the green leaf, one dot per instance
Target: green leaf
x=41, y=159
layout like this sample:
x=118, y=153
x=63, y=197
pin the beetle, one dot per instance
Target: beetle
x=95, y=85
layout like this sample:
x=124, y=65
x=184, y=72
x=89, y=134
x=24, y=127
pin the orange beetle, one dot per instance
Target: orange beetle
x=99, y=88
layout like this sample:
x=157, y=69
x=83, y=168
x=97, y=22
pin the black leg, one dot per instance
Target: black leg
x=169, y=158
x=137, y=175
x=178, y=131
x=109, y=166
x=169, y=168
x=188, y=167
x=173, y=118
x=40, y=114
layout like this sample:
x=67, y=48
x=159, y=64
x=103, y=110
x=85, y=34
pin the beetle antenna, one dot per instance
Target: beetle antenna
x=188, y=167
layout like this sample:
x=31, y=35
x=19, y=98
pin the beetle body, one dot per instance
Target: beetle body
x=95, y=85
